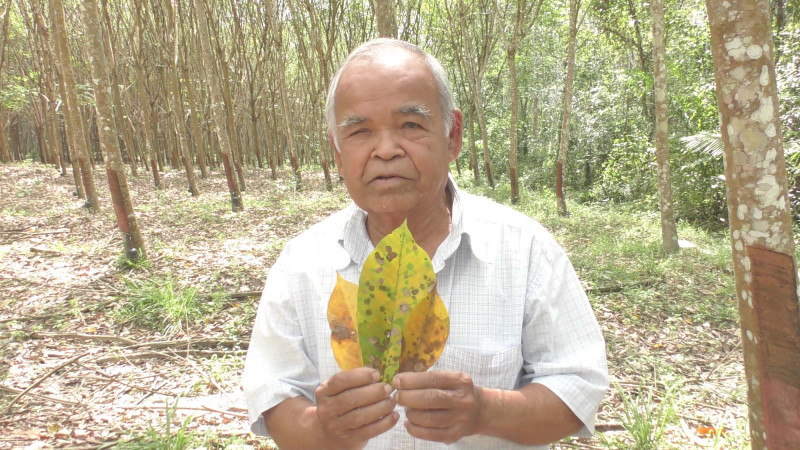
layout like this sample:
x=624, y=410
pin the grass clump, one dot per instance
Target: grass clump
x=161, y=302
x=164, y=436
x=645, y=414
x=125, y=263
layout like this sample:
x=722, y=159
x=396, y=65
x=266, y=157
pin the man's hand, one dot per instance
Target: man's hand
x=353, y=407
x=440, y=406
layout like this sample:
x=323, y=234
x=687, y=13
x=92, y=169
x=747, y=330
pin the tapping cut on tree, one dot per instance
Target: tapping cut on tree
x=393, y=320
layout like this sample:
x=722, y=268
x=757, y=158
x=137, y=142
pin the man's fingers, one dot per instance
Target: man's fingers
x=348, y=379
x=378, y=427
x=353, y=399
x=365, y=415
x=446, y=435
x=426, y=398
x=430, y=418
x=431, y=379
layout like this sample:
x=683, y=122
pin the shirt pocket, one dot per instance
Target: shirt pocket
x=488, y=368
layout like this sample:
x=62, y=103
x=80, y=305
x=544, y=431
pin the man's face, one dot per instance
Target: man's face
x=393, y=153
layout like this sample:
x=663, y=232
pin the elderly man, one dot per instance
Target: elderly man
x=525, y=360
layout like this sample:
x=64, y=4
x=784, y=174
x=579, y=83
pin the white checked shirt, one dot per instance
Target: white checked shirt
x=518, y=314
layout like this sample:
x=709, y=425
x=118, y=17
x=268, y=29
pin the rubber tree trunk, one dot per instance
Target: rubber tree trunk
x=473, y=154
x=70, y=140
x=669, y=230
x=385, y=17
x=194, y=126
x=511, y=54
x=80, y=150
x=119, y=113
x=561, y=203
x=5, y=155
x=144, y=100
x=761, y=229
x=107, y=133
x=217, y=106
x=177, y=113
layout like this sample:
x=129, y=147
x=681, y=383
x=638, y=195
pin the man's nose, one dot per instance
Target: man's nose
x=387, y=146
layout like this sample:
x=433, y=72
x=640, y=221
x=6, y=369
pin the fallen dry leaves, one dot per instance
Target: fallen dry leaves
x=72, y=376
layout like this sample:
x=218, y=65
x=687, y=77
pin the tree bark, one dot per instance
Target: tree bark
x=669, y=230
x=5, y=155
x=177, y=111
x=511, y=56
x=217, y=105
x=385, y=17
x=570, y=78
x=80, y=151
x=473, y=154
x=107, y=133
x=194, y=126
x=70, y=139
x=223, y=75
x=283, y=92
x=144, y=99
x=523, y=19
x=119, y=113
x=760, y=220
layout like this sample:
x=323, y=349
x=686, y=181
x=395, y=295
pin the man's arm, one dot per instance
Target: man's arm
x=446, y=406
x=532, y=415
x=352, y=407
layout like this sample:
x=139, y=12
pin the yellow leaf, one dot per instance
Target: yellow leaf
x=425, y=334
x=341, y=318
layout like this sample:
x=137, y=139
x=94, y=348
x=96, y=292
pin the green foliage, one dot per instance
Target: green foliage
x=628, y=173
x=125, y=263
x=160, y=303
x=646, y=413
x=164, y=436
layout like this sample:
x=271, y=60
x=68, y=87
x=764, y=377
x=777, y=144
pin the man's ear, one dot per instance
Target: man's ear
x=336, y=155
x=455, y=136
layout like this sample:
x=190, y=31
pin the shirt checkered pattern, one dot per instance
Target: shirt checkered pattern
x=518, y=314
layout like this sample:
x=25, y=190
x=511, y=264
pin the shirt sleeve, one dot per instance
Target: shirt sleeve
x=277, y=366
x=563, y=347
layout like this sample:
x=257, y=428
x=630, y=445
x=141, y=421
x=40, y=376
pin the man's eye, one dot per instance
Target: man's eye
x=357, y=132
x=411, y=125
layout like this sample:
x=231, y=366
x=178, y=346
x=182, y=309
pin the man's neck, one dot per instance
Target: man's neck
x=428, y=230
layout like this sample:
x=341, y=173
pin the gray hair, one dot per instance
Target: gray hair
x=370, y=50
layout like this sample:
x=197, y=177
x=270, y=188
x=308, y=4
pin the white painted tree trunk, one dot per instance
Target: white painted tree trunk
x=758, y=207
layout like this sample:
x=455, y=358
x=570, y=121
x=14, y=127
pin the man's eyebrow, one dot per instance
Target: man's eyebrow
x=419, y=110
x=350, y=121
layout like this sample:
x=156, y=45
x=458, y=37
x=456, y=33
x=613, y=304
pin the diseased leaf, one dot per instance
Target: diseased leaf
x=396, y=278
x=425, y=334
x=401, y=323
x=341, y=318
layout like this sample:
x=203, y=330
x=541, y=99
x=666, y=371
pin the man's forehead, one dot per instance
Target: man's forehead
x=385, y=60
x=387, y=56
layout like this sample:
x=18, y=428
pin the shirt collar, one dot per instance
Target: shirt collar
x=356, y=242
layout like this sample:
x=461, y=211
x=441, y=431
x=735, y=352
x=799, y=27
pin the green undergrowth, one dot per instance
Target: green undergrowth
x=616, y=250
x=164, y=305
